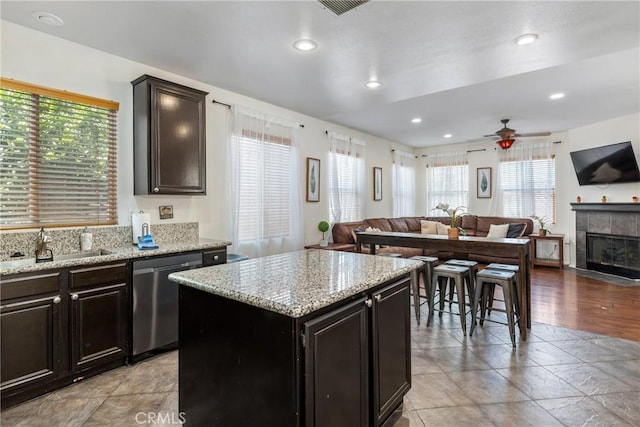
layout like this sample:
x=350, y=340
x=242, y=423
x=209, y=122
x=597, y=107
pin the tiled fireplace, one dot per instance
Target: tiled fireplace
x=608, y=238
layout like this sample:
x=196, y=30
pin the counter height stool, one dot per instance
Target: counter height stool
x=426, y=271
x=504, y=279
x=460, y=276
x=502, y=267
x=473, y=269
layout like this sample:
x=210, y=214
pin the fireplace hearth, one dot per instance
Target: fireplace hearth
x=608, y=238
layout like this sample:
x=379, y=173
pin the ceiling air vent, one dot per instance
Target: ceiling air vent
x=341, y=6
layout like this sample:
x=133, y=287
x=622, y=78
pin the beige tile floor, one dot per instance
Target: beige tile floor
x=558, y=377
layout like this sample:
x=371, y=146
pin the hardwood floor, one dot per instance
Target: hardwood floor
x=563, y=298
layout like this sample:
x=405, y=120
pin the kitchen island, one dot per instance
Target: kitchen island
x=316, y=338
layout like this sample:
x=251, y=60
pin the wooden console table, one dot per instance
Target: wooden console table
x=467, y=244
x=559, y=238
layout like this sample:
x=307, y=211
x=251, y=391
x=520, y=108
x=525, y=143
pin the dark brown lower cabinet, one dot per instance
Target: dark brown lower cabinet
x=347, y=365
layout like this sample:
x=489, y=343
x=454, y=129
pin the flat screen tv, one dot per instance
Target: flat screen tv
x=605, y=165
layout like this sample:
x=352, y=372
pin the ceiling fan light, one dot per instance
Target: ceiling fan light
x=505, y=144
x=526, y=39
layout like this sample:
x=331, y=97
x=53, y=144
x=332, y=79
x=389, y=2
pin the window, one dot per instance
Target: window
x=57, y=158
x=346, y=179
x=404, y=184
x=447, y=181
x=264, y=184
x=528, y=188
x=263, y=202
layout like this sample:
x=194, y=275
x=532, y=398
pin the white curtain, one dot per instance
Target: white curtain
x=404, y=184
x=526, y=189
x=447, y=180
x=346, y=178
x=265, y=184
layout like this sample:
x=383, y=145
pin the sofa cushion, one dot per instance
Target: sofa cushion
x=498, y=230
x=428, y=227
x=398, y=225
x=516, y=230
x=381, y=223
x=413, y=223
x=469, y=223
x=442, y=229
x=341, y=231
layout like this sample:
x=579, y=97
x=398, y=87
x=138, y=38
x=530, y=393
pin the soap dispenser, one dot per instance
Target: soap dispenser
x=86, y=240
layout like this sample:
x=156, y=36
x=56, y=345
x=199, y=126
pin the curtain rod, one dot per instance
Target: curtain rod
x=393, y=150
x=468, y=151
x=213, y=101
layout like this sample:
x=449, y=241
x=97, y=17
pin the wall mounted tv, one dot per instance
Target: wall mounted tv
x=605, y=165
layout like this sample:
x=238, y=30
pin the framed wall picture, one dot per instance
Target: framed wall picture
x=484, y=183
x=313, y=180
x=377, y=184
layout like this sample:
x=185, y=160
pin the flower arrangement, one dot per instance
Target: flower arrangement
x=542, y=221
x=452, y=213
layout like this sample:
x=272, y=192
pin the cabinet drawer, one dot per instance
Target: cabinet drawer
x=25, y=286
x=101, y=275
x=215, y=257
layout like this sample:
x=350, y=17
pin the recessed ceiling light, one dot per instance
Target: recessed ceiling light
x=526, y=39
x=556, y=95
x=305, y=45
x=373, y=84
x=447, y=135
x=47, y=18
x=416, y=120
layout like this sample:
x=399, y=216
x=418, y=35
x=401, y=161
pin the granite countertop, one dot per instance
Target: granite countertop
x=26, y=265
x=296, y=283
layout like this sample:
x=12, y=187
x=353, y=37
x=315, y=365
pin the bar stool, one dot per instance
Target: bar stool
x=504, y=279
x=390, y=255
x=458, y=275
x=473, y=269
x=491, y=289
x=426, y=271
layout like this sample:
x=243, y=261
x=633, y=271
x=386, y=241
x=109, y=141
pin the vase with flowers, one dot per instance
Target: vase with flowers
x=542, y=221
x=453, y=214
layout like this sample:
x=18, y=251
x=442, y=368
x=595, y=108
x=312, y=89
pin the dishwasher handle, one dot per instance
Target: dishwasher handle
x=174, y=267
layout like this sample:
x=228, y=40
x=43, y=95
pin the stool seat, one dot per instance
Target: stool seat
x=506, y=280
x=459, y=275
x=390, y=255
x=498, y=266
x=488, y=303
x=462, y=262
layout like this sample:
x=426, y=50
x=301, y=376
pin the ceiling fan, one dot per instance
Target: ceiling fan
x=507, y=135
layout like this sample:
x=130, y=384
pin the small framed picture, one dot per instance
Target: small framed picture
x=313, y=180
x=377, y=184
x=484, y=183
x=166, y=212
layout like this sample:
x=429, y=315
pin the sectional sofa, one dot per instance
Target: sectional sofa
x=471, y=224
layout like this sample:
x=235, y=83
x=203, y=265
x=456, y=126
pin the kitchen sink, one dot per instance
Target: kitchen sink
x=21, y=262
x=78, y=255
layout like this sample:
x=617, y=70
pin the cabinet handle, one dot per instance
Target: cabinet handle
x=74, y=296
x=378, y=297
x=57, y=300
x=216, y=257
x=368, y=303
x=156, y=190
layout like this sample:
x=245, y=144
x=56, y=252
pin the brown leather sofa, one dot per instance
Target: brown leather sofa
x=471, y=224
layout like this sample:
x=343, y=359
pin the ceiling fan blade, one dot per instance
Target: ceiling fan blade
x=493, y=135
x=532, y=134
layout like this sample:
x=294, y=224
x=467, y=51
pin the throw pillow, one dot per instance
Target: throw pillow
x=498, y=230
x=516, y=230
x=428, y=227
x=442, y=228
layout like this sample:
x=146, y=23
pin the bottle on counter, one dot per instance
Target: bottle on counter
x=86, y=240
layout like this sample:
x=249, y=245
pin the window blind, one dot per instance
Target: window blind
x=447, y=184
x=528, y=188
x=57, y=158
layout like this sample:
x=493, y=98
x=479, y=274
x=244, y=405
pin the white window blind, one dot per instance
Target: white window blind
x=404, y=184
x=346, y=178
x=447, y=181
x=528, y=188
x=57, y=158
x=263, y=203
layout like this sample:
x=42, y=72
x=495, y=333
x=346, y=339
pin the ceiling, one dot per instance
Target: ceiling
x=454, y=64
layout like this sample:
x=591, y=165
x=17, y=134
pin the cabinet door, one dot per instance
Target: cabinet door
x=336, y=368
x=391, y=348
x=98, y=325
x=177, y=139
x=31, y=341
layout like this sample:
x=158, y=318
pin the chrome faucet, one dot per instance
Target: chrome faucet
x=43, y=253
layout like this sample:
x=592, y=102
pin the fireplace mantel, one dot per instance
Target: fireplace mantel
x=606, y=207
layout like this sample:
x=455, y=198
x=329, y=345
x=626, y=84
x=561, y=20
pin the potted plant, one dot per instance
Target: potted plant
x=323, y=227
x=542, y=221
x=453, y=214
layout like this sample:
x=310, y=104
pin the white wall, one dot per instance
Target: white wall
x=38, y=58
x=626, y=128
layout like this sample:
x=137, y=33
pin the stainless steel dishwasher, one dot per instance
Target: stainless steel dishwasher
x=155, y=301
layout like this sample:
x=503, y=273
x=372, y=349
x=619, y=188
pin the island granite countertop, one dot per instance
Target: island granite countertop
x=26, y=265
x=296, y=283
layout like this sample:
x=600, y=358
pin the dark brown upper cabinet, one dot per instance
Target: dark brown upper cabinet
x=168, y=138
